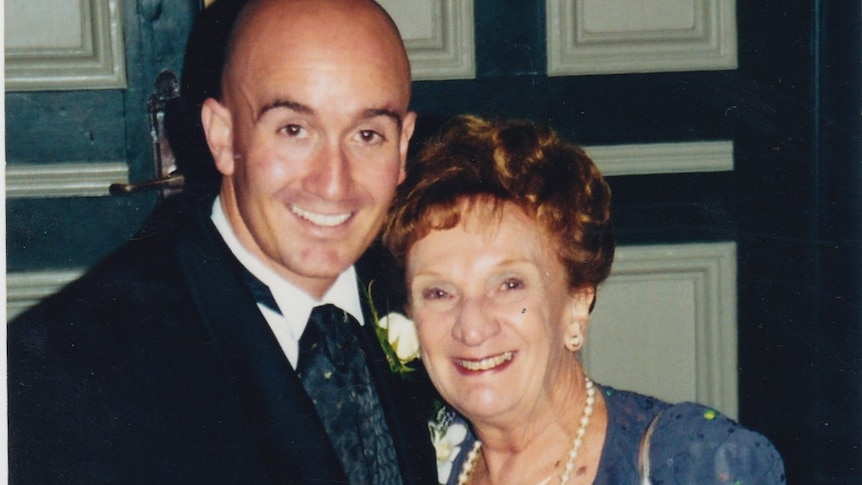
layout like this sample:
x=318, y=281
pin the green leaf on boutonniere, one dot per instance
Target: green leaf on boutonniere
x=397, y=336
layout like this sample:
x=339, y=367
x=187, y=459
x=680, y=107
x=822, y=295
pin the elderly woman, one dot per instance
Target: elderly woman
x=504, y=232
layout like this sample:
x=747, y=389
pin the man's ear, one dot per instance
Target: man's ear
x=408, y=124
x=218, y=127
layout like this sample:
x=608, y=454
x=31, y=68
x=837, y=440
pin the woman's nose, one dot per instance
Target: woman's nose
x=474, y=323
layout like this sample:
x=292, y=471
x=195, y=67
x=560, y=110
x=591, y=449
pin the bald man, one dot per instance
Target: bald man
x=179, y=358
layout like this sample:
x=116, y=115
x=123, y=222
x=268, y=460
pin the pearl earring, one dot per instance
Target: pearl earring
x=575, y=343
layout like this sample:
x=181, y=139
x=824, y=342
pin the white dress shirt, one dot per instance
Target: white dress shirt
x=296, y=305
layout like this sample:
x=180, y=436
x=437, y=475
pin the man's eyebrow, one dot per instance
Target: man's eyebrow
x=375, y=112
x=304, y=109
x=287, y=104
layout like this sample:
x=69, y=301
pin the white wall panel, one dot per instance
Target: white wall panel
x=653, y=158
x=438, y=35
x=24, y=290
x=91, y=179
x=665, y=324
x=630, y=36
x=63, y=44
x=74, y=179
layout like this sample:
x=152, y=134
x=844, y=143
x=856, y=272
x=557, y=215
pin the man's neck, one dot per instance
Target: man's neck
x=342, y=292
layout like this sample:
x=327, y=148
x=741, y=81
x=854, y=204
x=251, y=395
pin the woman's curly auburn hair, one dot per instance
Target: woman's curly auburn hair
x=508, y=161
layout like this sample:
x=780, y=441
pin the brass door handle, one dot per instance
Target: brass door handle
x=169, y=180
x=174, y=181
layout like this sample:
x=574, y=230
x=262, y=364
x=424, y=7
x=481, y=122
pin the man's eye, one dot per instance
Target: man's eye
x=291, y=130
x=370, y=136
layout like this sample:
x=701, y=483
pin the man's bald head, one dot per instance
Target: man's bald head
x=360, y=26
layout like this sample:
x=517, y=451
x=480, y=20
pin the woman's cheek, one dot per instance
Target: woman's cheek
x=432, y=330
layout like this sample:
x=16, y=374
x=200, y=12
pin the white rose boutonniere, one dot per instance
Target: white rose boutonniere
x=398, y=338
x=401, y=335
x=447, y=434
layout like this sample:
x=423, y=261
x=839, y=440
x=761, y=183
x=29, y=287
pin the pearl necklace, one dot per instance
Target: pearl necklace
x=470, y=463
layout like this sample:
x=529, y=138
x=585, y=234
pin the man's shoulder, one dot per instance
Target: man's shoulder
x=132, y=271
x=140, y=279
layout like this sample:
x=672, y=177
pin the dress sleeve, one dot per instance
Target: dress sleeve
x=691, y=443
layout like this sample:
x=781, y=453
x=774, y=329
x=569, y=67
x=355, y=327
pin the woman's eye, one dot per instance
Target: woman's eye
x=434, y=294
x=512, y=284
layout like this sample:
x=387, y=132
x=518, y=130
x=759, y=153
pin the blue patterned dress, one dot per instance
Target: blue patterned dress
x=690, y=444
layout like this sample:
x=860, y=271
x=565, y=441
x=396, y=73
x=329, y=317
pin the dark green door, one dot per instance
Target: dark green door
x=78, y=83
x=791, y=204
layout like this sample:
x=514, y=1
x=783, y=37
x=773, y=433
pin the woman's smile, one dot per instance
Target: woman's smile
x=496, y=362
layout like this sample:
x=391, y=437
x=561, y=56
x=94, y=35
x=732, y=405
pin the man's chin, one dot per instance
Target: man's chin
x=317, y=266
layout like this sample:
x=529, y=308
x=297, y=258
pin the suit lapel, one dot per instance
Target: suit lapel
x=293, y=439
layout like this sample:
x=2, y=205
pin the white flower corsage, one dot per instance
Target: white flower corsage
x=398, y=338
x=447, y=434
x=401, y=335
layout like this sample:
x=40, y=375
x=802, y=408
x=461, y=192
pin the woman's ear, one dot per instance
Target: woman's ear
x=581, y=303
x=218, y=127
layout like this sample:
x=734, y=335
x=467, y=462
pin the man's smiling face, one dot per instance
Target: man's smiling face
x=315, y=123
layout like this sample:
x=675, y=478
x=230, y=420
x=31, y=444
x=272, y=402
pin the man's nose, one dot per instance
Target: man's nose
x=329, y=177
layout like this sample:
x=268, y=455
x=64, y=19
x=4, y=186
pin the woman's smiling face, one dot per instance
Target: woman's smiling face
x=492, y=307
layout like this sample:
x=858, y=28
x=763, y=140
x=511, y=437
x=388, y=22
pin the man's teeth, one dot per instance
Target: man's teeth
x=325, y=220
x=487, y=363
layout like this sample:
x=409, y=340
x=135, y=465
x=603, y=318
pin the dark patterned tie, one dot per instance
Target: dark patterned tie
x=334, y=374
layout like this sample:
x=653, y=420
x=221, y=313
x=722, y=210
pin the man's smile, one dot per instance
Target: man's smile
x=324, y=220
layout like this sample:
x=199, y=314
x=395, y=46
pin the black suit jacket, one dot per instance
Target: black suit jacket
x=157, y=367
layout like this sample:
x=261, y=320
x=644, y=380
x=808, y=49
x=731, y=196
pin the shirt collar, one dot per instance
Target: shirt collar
x=295, y=304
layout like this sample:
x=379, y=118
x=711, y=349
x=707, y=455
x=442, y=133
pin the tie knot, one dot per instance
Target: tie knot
x=335, y=328
x=329, y=313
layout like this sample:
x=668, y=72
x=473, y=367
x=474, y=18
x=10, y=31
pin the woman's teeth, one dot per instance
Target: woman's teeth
x=486, y=363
